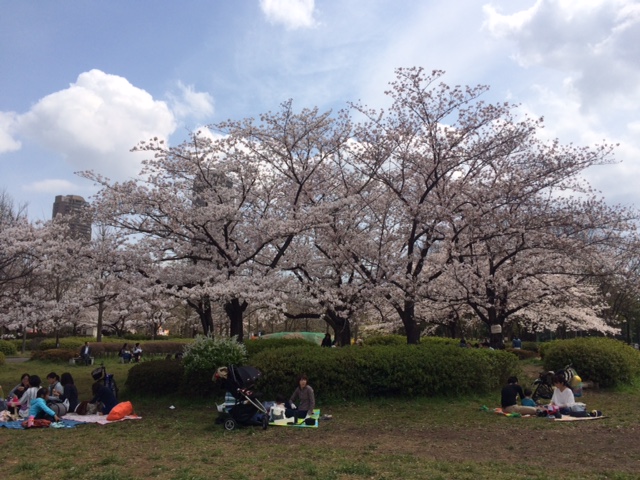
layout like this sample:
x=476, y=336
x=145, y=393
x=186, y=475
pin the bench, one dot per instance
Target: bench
x=79, y=361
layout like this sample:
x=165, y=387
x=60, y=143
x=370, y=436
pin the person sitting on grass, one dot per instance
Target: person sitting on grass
x=563, y=398
x=103, y=397
x=70, y=391
x=137, y=352
x=30, y=395
x=39, y=408
x=125, y=353
x=22, y=387
x=527, y=401
x=303, y=393
x=510, y=394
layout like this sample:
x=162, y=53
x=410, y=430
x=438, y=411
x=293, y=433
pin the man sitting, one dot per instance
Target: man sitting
x=85, y=353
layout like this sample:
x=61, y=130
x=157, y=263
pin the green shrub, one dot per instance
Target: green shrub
x=155, y=378
x=204, y=356
x=69, y=343
x=54, y=355
x=530, y=346
x=377, y=340
x=522, y=354
x=441, y=341
x=256, y=346
x=1, y=358
x=407, y=370
x=604, y=361
x=7, y=347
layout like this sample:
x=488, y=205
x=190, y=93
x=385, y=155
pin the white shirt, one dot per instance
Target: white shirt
x=563, y=399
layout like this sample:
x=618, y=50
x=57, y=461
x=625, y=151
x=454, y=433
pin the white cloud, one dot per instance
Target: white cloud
x=189, y=103
x=96, y=121
x=7, y=127
x=596, y=43
x=293, y=14
x=54, y=186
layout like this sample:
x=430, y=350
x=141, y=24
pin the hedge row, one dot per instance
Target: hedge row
x=605, y=361
x=8, y=348
x=112, y=348
x=407, y=370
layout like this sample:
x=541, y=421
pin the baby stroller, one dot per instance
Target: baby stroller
x=108, y=381
x=247, y=409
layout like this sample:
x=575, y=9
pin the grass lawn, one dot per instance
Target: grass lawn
x=373, y=439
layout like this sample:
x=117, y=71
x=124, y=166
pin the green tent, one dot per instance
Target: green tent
x=313, y=337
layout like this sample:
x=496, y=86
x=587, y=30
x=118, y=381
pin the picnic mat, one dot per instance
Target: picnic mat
x=567, y=418
x=288, y=422
x=100, y=419
x=17, y=424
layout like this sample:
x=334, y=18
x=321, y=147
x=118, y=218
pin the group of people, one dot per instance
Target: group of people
x=57, y=397
x=562, y=401
x=128, y=355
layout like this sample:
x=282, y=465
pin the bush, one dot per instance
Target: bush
x=1, y=358
x=604, y=361
x=204, y=356
x=407, y=370
x=256, y=346
x=54, y=355
x=522, y=354
x=156, y=378
x=8, y=348
x=377, y=340
x=530, y=346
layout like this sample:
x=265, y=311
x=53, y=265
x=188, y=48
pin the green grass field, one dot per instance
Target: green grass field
x=373, y=439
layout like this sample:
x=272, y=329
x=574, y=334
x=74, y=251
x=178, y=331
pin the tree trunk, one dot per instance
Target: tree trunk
x=408, y=316
x=203, y=309
x=235, y=311
x=101, y=309
x=341, y=328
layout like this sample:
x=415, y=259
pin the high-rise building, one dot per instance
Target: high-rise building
x=75, y=207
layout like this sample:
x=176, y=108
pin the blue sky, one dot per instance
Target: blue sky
x=83, y=81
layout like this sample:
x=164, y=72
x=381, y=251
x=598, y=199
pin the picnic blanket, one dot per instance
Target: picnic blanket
x=17, y=424
x=568, y=418
x=99, y=419
x=564, y=418
x=288, y=422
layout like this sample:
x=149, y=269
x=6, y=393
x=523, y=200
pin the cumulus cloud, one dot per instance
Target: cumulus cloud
x=53, y=186
x=293, y=14
x=595, y=42
x=7, y=128
x=188, y=103
x=96, y=121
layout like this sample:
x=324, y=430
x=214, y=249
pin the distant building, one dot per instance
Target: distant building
x=74, y=206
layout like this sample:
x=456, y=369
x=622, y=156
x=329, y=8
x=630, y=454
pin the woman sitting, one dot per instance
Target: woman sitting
x=22, y=387
x=70, y=391
x=104, y=397
x=30, y=394
x=125, y=353
x=563, y=398
x=307, y=402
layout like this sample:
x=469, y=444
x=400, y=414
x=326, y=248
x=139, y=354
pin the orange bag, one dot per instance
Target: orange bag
x=120, y=411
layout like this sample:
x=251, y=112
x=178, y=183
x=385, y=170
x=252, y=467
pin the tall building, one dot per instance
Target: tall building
x=75, y=207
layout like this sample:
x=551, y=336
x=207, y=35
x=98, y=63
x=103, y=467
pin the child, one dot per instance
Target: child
x=278, y=409
x=527, y=401
x=39, y=409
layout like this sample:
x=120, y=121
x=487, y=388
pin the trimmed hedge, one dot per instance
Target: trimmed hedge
x=605, y=361
x=112, y=347
x=256, y=346
x=8, y=348
x=408, y=370
x=155, y=378
x=54, y=355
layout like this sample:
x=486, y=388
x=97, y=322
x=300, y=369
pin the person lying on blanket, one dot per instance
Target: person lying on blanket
x=510, y=394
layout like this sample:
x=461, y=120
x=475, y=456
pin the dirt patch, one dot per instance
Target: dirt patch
x=581, y=446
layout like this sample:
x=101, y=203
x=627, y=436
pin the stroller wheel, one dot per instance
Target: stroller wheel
x=229, y=424
x=265, y=422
